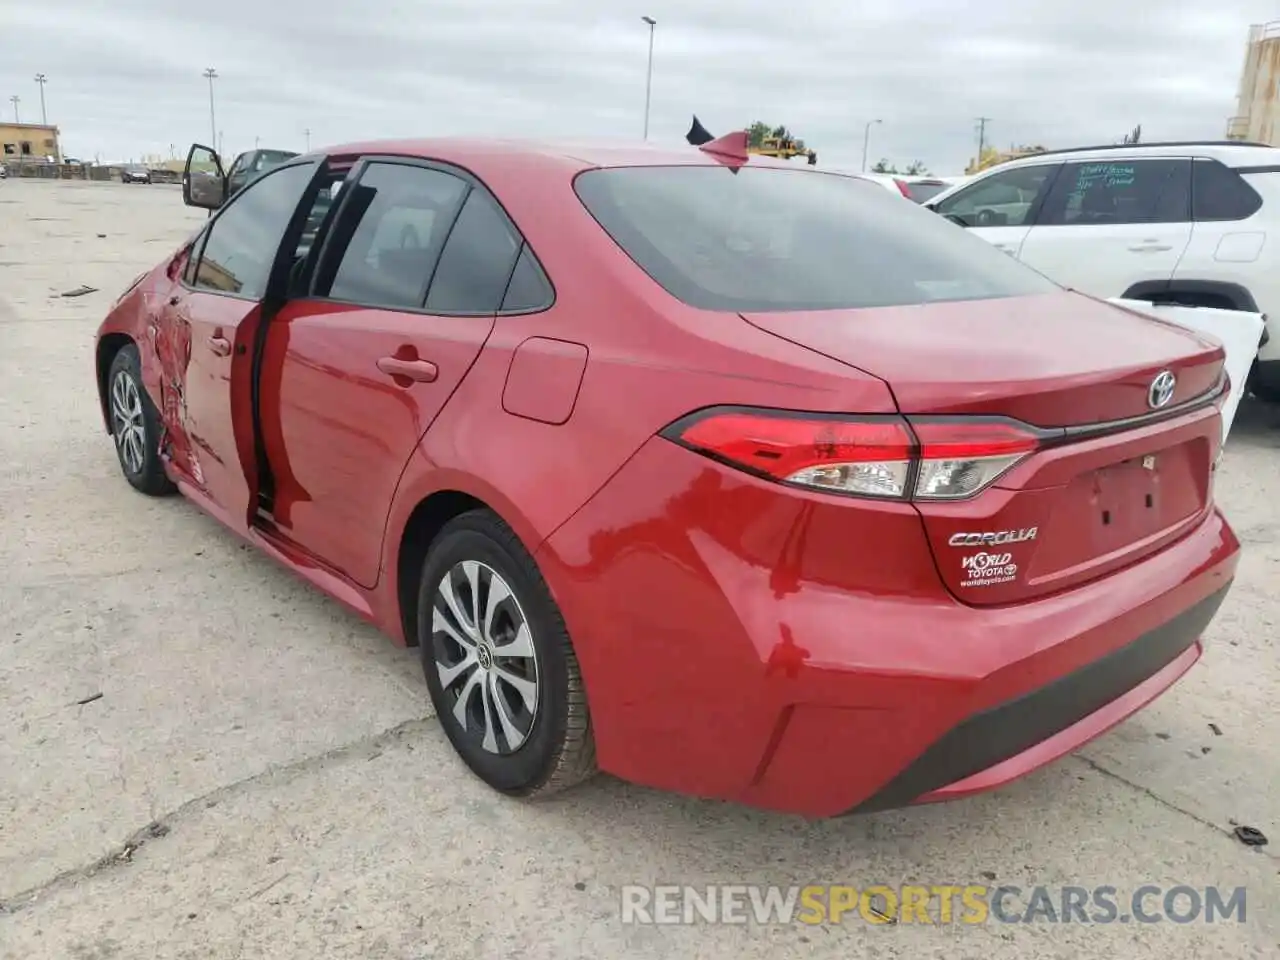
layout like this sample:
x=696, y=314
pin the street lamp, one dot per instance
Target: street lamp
x=211, y=75
x=15, y=100
x=866, y=141
x=648, y=82
x=44, y=117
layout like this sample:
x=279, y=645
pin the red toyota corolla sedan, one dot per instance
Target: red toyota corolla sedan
x=726, y=477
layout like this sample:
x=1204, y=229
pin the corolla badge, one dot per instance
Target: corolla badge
x=1161, y=390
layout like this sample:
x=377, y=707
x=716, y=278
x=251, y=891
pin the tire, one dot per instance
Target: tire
x=542, y=741
x=1264, y=381
x=135, y=425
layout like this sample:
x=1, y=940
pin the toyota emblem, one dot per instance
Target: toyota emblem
x=1161, y=390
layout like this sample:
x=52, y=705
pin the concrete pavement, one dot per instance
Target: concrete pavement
x=255, y=773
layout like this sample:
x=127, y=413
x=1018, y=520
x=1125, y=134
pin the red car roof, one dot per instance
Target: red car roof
x=566, y=154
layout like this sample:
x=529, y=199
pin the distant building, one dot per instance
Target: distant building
x=1258, y=100
x=29, y=141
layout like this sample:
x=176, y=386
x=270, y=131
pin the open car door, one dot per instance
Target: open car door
x=1239, y=333
x=204, y=184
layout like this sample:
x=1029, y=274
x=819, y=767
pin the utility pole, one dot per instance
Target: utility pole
x=866, y=141
x=211, y=75
x=15, y=100
x=219, y=143
x=648, y=80
x=255, y=143
x=307, y=133
x=42, y=80
x=982, y=136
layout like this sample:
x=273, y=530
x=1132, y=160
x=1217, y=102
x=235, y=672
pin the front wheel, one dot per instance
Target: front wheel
x=135, y=425
x=499, y=665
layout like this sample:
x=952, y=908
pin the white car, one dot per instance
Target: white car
x=1196, y=224
x=917, y=188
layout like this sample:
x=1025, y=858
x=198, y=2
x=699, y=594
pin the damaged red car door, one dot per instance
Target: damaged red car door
x=205, y=340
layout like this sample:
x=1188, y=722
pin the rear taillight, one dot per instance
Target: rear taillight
x=879, y=456
x=902, y=187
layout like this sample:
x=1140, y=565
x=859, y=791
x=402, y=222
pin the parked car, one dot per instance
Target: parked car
x=135, y=174
x=915, y=188
x=253, y=162
x=1190, y=223
x=726, y=476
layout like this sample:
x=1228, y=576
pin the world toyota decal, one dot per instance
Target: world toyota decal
x=986, y=569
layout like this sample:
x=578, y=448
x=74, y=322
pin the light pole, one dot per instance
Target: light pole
x=211, y=75
x=44, y=117
x=15, y=100
x=866, y=142
x=648, y=80
x=307, y=133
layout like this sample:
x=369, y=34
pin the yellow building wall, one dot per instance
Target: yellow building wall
x=28, y=141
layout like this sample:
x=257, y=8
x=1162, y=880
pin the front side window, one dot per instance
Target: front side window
x=1004, y=199
x=1119, y=192
x=768, y=239
x=244, y=238
x=394, y=226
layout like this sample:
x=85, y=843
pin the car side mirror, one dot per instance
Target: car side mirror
x=204, y=185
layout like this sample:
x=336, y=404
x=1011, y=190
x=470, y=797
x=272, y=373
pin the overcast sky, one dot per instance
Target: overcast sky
x=124, y=76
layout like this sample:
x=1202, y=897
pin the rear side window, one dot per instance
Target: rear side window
x=1218, y=193
x=477, y=260
x=529, y=289
x=767, y=239
x=391, y=232
x=1118, y=192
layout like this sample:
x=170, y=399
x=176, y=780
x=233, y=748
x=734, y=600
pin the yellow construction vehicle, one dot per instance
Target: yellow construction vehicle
x=784, y=148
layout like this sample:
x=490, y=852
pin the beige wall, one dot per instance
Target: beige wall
x=1258, y=99
x=28, y=141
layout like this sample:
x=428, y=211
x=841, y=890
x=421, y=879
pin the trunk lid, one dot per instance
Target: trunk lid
x=1089, y=501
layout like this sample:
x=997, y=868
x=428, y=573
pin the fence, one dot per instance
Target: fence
x=75, y=171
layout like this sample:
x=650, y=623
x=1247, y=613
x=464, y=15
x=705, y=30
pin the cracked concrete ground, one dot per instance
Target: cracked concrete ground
x=255, y=773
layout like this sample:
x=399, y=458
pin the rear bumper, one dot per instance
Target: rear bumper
x=997, y=745
x=797, y=652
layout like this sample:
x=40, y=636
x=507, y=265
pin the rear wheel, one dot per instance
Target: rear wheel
x=498, y=661
x=135, y=425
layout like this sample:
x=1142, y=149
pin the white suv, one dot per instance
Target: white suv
x=1189, y=223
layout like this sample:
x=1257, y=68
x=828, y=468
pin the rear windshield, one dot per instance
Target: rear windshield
x=920, y=192
x=767, y=239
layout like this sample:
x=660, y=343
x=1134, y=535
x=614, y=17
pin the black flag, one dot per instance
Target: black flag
x=698, y=134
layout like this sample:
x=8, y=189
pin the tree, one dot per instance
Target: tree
x=917, y=169
x=884, y=166
x=1133, y=136
x=756, y=133
x=759, y=132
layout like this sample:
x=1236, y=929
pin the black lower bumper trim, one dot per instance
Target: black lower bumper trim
x=995, y=735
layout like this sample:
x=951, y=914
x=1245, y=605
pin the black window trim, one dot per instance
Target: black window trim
x=1187, y=159
x=472, y=183
x=1037, y=204
x=203, y=239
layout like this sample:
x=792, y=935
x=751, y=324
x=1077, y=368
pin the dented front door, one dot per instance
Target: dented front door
x=210, y=324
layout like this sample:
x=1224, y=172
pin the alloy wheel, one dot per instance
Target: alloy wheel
x=127, y=423
x=484, y=655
